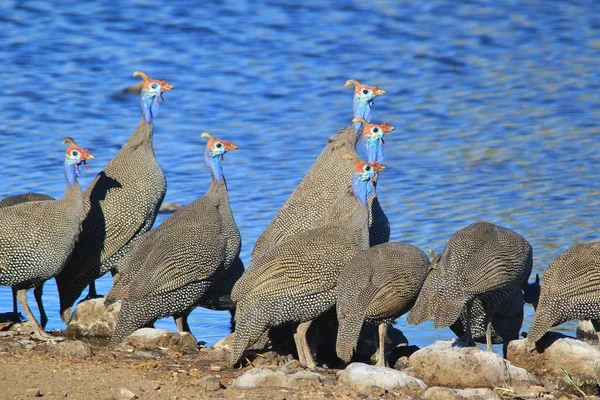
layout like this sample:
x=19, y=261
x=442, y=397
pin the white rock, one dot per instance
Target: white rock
x=443, y=393
x=149, y=338
x=449, y=365
x=263, y=378
x=559, y=352
x=361, y=377
x=92, y=318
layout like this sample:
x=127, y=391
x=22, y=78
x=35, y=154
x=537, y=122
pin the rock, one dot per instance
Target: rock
x=559, y=355
x=306, y=376
x=125, y=393
x=72, y=348
x=150, y=338
x=224, y=343
x=362, y=377
x=209, y=383
x=446, y=364
x=586, y=331
x=444, y=393
x=263, y=378
x=92, y=319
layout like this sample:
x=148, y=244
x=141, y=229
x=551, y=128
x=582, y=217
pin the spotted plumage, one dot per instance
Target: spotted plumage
x=38, y=290
x=295, y=281
x=570, y=290
x=120, y=204
x=482, y=261
x=191, y=259
x=379, y=285
x=37, y=237
x=310, y=203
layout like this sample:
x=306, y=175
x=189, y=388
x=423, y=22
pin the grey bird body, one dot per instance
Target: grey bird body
x=295, y=281
x=482, y=262
x=309, y=204
x=120, y=204
x=38, y=290
x=570, y=290
x=37, y=237
x=189, y=260
x=379, y=285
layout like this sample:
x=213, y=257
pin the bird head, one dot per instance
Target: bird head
x=364, y=96
x=364, y=177
x=213, y=154
x=216, y=147
x=364, y=93
x=76, y=156
x=151, y=95
x=373, y=133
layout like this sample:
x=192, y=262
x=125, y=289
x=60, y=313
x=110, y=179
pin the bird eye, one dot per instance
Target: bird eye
x=154, y=86
x=367, y=167
x=365, y=91
x=218, y=145
x=74, y=153
x=375, y=130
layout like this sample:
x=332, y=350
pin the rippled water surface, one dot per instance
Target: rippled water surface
x=495, y=103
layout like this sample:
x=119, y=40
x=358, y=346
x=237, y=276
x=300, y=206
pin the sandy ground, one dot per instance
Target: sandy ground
x=30, y=369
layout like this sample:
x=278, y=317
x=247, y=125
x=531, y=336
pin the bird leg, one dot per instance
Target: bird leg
x=304, y=353
x=468, y=336
x=487, y=322
x=39, y=331
x=181, y=321
x=15, y=316
x=381, y=360
x=37, y=292
x=92, y=294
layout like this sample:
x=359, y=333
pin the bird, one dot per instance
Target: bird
x=481, y=261
x=379, y=285
x=38, y=290
x=570, y=290
x=308, y=205
x=295, y=281
x=37, y=237
x=186, y=260
x=121, y=203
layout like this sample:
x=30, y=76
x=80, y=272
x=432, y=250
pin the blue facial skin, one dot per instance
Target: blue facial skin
x=374, y=148
x=362, y=183
x=71, y=167
x=150, y=101
x=213, y=157
x=362, y=106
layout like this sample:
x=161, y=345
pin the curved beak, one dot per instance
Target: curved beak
x=231, y=146
x=379, y=92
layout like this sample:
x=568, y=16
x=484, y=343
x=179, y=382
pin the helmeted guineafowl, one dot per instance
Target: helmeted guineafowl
x=178, y=266
x=481, y=261
x=307, y=207
x=379, y=285
x=36, y=238
x=38, y=290
x=570, y=290
x=295, y=281
x=121, y=204
x=508, y=319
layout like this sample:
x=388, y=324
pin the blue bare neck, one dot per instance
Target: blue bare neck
x=214, y=166
x=362, y=189
x=374, y=150
x=150, y=105
x=362, y=110
x=71, y=170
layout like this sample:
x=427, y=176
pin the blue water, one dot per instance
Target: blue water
x=496, y=107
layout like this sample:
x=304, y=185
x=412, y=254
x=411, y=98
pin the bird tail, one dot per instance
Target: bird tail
x=250, y=324
x=543, y=320
x=447, y=309
x=347, y=336
x=423, y=308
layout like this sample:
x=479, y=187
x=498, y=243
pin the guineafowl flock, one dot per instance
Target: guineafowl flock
x=323, y=267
